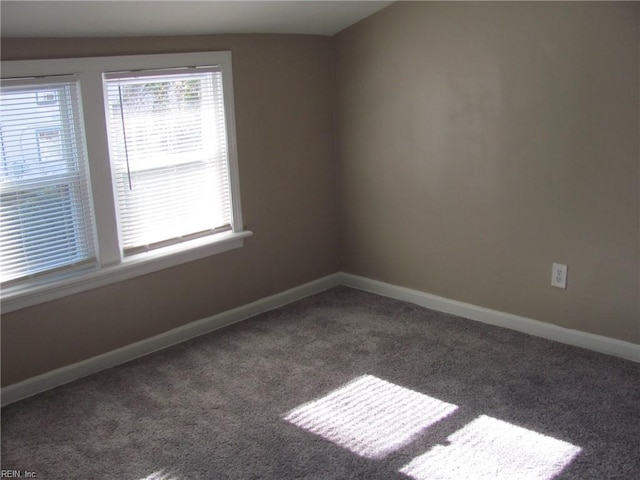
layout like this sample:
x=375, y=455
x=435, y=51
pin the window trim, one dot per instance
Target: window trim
x=112, y=265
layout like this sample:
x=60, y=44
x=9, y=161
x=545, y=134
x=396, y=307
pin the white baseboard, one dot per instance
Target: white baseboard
x=60, y=376
x=598, y=343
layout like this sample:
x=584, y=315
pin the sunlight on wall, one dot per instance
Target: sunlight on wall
x=488, y=448
x=369, y=416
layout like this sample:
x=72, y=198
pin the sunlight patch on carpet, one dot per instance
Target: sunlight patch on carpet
x=488, y=448
x=370, y=416
x=160, y=475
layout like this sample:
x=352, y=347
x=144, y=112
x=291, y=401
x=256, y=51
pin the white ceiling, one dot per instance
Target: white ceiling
x=54, y=18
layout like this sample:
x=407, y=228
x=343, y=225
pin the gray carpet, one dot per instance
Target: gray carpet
x=343, y=384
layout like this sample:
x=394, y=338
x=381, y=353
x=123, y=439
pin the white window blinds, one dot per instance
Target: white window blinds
x=168, y=148
x=46, y=222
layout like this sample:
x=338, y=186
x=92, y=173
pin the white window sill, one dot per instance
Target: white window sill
x=17, y=298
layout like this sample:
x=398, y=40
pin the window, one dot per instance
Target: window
x=169, y=155
x=46, y=210
x=153, y=183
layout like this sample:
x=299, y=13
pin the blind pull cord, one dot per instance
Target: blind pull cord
x=124, y=136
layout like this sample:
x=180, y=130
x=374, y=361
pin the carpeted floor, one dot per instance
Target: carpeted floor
x=341, y=385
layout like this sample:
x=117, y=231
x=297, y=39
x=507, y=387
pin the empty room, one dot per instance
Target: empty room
x=320, y=239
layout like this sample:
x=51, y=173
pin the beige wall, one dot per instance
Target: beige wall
x=480, y=142
x=284, y=120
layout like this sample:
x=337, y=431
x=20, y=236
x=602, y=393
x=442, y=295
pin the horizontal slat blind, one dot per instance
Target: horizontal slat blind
x=45, y=199
x=168, y=148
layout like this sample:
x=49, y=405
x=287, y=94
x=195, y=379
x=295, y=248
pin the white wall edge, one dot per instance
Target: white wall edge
x=69, y=373
x=598, y=343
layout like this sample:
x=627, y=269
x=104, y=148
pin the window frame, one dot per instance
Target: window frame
x=112, y=265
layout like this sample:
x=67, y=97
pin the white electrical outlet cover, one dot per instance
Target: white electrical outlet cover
x=559, y=275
